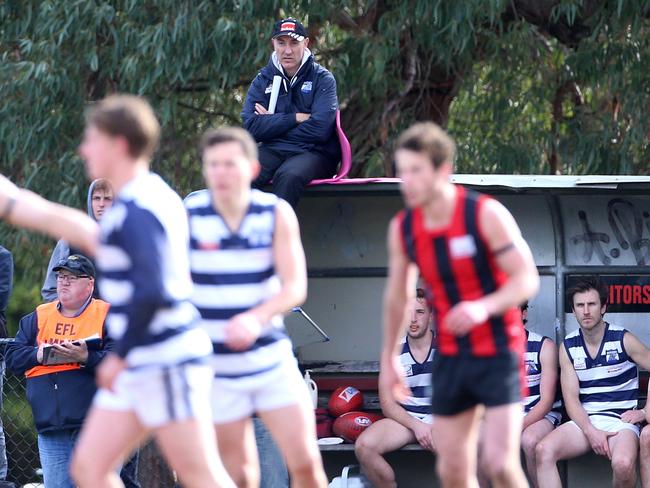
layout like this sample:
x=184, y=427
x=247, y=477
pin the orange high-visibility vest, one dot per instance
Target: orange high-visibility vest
x=54, y=328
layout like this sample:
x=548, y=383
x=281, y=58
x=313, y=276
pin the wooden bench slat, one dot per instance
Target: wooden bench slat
x=350, y=447
x=333, y=367
x=369, y=383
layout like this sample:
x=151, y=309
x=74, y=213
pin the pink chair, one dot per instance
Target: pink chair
x=346, y=155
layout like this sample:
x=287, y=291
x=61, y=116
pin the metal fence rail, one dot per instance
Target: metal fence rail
x=21, y=444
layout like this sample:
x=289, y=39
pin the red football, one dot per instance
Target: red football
x=351, y=424
x=345, y=399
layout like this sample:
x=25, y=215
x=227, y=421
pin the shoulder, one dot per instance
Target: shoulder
x=571, y=338
x=617, y=329
x=535, y=337
x=263, y=199
x=197, y=199
x=323, y=73
x=44, y=308
x=100, y=304
x=31, y=319
x=403, y=219
x=154, y=200
x=62, y=249
x=489, y=207
x=617, y=333
x=264, y=75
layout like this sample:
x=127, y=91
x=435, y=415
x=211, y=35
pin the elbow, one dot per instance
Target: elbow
x=300, y=294
x=295, y=293
x=531, y=283
x=324, y=133
x=248, y=123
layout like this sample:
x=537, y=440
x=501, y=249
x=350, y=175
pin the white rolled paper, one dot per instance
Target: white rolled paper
x=275, y=90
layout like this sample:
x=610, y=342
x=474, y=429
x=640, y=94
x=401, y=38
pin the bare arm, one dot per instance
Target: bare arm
x=23, y=208
x=400, y=285
x=393, y=410
x=571, y=392
x=637, y=350
x=548, y=384
x=517, y=262
x=514, y=258
x=640, y=354
x=571, y=395
x=290, y=265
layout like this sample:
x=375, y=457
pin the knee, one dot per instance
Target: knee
x=363, y=447
x=452, y=470
x=288, y=177
x=644, y=440
x=494, y=465
x=545, y=453
x=83, y=471
x=244, y=475
x=624, y=467
x=77, y=470
x=528, y=444
x=307, y=470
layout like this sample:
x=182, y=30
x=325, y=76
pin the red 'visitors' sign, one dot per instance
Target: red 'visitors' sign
x=627, y=293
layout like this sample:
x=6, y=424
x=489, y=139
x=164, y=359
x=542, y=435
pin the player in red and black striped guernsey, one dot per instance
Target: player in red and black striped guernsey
x=478, y=269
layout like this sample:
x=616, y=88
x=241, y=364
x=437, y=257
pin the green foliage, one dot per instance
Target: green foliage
x=525, y=85
x=539, y=100
x=25, y=297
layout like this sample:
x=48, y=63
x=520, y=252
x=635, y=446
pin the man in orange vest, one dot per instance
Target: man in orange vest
x=58, y=347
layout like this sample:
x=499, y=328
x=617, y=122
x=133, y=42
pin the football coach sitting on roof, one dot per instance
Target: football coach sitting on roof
x=297, y=141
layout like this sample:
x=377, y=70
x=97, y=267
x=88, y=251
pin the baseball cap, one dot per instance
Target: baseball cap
x=77, y=265
x=289, y=27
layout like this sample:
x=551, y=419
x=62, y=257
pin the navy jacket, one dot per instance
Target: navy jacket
x=313, y=91
x=58, y=400
x=6, y=285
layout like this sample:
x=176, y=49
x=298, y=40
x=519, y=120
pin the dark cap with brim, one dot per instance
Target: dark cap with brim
x=289, y=27
x=77, y=265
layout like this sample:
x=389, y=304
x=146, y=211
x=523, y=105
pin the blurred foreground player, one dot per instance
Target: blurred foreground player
x=156, y=382
x=470, y=252
x=248, y=267
x=28, y=210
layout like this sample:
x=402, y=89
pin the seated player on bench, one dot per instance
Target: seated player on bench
x=410, y=421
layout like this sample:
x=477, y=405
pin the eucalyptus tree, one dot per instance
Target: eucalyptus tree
x=539, y=86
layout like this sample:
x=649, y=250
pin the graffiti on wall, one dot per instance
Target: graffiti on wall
x=627, y=229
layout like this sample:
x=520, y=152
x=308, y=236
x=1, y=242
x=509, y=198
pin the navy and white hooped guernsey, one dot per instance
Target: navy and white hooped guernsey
x=609, y=383
x=533, y=366
x=418, y=379
x=233, y=271
x=143, y=268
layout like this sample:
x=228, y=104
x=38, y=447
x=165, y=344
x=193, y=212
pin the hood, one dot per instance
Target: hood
x=89, y=198
x=276, y=63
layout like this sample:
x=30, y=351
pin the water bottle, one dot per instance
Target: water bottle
x=312, y=387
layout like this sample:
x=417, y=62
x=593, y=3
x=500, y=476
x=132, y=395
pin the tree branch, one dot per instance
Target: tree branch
x=210, y=113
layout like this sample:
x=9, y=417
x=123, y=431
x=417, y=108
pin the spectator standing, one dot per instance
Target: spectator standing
x=60, y=394
x=6, y=285
x=100, y=199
